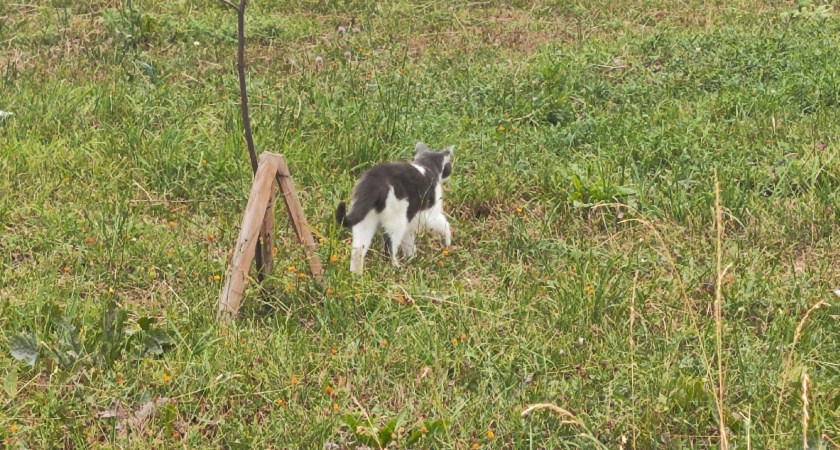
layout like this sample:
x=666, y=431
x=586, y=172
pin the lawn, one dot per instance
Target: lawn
x=589, y=247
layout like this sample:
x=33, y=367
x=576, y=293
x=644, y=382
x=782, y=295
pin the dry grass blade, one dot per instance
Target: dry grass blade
x=724, y=443
x=566, y=416
x=789, y=361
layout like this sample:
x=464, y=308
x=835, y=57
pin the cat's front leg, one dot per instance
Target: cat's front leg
x=440, y=226
x=407, y=245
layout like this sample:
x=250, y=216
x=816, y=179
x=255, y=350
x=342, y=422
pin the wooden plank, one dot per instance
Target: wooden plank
x=301, y=227
x=243, y=253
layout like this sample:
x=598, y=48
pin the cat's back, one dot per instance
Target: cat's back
x=392, y=173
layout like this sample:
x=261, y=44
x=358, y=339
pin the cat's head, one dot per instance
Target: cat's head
x=440, y=162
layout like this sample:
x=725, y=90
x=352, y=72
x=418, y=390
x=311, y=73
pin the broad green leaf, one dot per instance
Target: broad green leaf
x=24, y=348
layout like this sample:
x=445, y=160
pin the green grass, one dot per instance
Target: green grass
x=125, y=177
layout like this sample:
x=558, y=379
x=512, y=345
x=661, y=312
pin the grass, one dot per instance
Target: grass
x=126, y=177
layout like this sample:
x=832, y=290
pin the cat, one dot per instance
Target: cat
x=401, y=198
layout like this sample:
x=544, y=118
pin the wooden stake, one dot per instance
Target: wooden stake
x=243, y=253
x=301, y=227
x=258, y=223
x=267, y=236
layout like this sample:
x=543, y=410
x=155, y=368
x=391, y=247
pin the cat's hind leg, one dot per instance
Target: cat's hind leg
x=395, y=231
x=362, y=236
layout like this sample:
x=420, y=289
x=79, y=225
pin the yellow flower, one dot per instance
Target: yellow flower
x=501, y=128
x=274, y=250
x=329, y=291
x=295, y=380
x=335, y=406
x=518, y=210
x=333, y=350
x=301, y=275
x=217, y=277
x=491, y=434
x=280, y=402
x=474, y=446
x=333, y=258
x=14, y=427
x=384, y=342
x=463, y=336
x=445, y=252
x=423, y=430
x=291, y=268
x=166, y=377
x=455, y=341
x=288, y=287
x=328, y=390
x=66, y=269
x=171, y=224
x=111, y=291
x=440, y=262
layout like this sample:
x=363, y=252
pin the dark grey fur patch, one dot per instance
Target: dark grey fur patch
x=408, y=183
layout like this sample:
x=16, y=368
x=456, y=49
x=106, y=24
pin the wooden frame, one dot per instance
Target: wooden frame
x=257, y=231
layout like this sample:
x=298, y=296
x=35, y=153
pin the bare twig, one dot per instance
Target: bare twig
x=246, y=118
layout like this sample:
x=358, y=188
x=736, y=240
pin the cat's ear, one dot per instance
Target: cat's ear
x=448, y=151
x=420, y=147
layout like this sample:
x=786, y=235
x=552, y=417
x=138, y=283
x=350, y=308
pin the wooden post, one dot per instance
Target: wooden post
x=243, y=253
x=258, y=223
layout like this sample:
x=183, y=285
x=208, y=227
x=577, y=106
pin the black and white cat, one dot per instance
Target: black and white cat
x=401, y=198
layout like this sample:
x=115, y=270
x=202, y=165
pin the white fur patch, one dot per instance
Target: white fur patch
x=420, y=168
x=393, y=221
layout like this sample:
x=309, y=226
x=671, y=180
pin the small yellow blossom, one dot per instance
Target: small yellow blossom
x=474, y=446
x=491, y=434
x=280, y=402
x=291, y=268
x=295, y=380
x=518, y=210
x=301, y=275
x=217, y=277
x=501, y=128
x=445, y=253
x=333, y=258
x=166, y=377
x=328, y=390
x=335, y=406
x=384, y=342
x=440, y=262
x=171, y=224
x=14, y=427
x=463, y=336
x=329, y=291
x=423, y=430
x=288, y=287
x=455, y=341
x=66, y=269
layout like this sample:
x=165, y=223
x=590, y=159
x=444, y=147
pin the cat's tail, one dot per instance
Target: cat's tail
x=341, y=216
